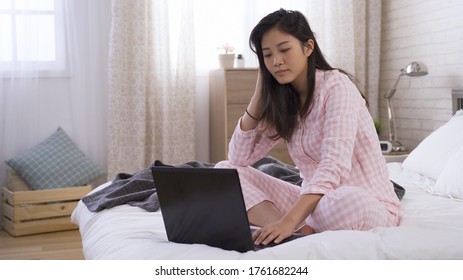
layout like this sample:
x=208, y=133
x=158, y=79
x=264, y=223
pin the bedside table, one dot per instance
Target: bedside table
x=396, y=157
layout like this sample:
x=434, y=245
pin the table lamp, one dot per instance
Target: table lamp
x=414, y=69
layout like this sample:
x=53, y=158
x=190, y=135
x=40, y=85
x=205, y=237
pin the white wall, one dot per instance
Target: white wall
x=430, y=31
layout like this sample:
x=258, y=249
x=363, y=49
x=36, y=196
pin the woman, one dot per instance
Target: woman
x=330, y=135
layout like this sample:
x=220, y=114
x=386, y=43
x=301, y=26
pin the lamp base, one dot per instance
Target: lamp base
x=393, y=147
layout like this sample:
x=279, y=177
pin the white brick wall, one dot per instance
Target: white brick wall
x=430, y=31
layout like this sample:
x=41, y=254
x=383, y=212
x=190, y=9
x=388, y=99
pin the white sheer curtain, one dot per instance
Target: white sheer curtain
x=152, y=84
x=34, y=102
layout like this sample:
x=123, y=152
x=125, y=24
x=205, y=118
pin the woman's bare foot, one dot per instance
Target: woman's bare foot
x=305, y=230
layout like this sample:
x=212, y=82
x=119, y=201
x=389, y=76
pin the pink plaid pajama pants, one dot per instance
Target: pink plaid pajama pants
x=345, y=208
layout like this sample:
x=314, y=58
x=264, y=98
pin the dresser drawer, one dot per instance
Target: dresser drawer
x=235, y=111
x=240, y=86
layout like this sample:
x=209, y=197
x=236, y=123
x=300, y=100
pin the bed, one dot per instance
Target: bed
x=431, y=219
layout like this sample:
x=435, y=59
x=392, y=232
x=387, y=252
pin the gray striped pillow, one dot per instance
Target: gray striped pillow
x=55, y=163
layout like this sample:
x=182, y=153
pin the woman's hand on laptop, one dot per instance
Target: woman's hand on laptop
x=276, y=232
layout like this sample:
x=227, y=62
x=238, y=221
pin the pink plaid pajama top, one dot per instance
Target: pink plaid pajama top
x=336, y=150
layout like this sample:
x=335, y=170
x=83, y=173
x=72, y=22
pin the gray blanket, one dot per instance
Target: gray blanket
x=139, y=190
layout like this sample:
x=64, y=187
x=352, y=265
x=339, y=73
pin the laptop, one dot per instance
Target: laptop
x=204, y=206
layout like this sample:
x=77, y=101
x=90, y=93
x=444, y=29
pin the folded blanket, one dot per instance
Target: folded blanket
x=133, y=189
x=139, y=190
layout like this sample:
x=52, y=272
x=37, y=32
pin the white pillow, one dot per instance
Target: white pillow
x=433, y=153
x=450, y=181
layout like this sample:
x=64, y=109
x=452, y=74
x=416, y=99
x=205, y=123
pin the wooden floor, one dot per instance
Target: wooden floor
x=63, y=245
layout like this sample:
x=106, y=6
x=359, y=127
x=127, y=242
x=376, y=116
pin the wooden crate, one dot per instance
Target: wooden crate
x=32, y=212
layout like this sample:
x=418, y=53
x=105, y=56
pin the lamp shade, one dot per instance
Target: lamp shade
x=416, y=69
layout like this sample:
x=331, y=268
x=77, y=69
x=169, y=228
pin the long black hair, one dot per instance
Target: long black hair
x=280, y=103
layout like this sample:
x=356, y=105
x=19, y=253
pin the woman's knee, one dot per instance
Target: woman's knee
x=350, y=208
x=224, y=164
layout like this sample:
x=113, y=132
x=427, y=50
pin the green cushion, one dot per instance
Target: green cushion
x=55, y=163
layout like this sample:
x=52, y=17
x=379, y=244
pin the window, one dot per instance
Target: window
x=32, y=36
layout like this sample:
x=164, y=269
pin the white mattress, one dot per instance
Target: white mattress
x=431, y=227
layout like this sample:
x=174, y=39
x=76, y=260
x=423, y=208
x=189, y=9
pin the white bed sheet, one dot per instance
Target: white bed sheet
x=431, y=227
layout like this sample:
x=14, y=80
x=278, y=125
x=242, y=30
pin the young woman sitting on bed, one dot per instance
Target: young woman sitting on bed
x=330, y=135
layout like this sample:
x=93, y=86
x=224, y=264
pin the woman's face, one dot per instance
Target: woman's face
x=286, y=59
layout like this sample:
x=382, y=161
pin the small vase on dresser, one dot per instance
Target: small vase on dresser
x=226, y=60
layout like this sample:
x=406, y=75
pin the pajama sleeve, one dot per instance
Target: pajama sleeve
x=247, y=147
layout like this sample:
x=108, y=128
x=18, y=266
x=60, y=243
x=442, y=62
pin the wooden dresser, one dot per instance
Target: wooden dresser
x=230, y=91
